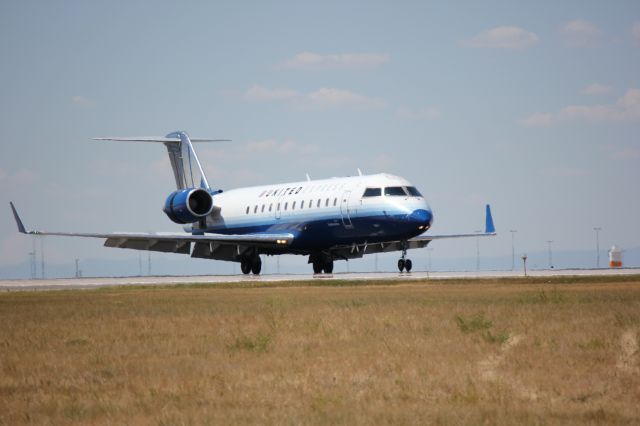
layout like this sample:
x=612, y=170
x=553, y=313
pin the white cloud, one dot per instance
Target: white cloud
x=310, y=60
x=81, y=101
x=259, y=93
x=596, y=90
x=581, y=33
x=323, y=98
x=428, y=113
x=626, y=108
x=328, y=97
x=635, y=32
x=538, y=119
x=514, y=38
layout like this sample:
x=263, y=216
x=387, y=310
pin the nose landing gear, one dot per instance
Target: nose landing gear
x=404, y=264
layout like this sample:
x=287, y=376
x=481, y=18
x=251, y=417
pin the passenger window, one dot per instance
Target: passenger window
x=247, y=209
x=335, y=202
x=255, y=209
x=301, y=204
x=372, y=192
x=270, y=206
x=293, y=206
x=262, y=209
x=413, y=191
x=285, y=205
x=395, y=191
x=318, y=203
x=278, y=206
x=326, y=203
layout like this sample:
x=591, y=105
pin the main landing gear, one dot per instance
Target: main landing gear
x=251, y=265
x=404, y=264
x=322, y=263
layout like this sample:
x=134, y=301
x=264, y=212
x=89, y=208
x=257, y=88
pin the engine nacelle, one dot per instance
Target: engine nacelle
x=188, y=205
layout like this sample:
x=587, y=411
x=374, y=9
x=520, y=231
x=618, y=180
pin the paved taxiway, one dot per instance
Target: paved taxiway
x=87, y=283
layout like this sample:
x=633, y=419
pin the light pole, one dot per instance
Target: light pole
x=513, y=249
x=597, y=229
x=42, y=256
x=550, y=256
x=478, y=251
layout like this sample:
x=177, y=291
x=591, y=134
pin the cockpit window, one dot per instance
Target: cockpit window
x=395, y=191
x=413, y=191
x=372, y=192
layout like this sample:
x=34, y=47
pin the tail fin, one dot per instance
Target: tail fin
x=187, y=169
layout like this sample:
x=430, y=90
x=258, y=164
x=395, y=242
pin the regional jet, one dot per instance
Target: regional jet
x=326, y=220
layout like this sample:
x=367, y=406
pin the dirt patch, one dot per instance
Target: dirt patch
x=628, y=350
x=489, y=370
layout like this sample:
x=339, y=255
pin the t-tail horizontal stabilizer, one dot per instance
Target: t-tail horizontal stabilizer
x=186, y=167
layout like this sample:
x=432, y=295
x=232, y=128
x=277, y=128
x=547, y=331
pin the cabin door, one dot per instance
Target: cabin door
x=344, y=210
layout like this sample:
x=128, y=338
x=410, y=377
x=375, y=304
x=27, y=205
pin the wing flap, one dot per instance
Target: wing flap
x=183, y=247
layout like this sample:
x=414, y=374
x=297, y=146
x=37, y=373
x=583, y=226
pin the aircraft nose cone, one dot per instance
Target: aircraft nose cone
x=421, y=218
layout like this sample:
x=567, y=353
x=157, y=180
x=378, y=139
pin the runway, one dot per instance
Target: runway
x=89, y=283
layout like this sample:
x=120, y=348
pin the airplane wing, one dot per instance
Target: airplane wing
x=489, y=231
x=170, y=242
x=359, y=250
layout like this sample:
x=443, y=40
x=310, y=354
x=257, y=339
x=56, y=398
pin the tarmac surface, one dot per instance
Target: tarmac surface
x=88, y=283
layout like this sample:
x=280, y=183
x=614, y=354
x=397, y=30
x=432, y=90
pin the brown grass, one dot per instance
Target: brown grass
x=454, y=352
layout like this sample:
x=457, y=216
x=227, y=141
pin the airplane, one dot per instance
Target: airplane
x=326, y=220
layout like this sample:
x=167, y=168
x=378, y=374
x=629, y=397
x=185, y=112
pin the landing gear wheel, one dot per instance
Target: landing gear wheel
x=328, y=267
x=256, y=266
x=245, y=266
x=408, y=265
x=401, y=265
x=317, y=267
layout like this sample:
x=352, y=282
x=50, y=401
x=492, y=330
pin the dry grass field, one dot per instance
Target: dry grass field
x=512, y=351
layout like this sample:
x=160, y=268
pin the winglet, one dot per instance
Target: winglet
x=489, y=228
x=21, y=228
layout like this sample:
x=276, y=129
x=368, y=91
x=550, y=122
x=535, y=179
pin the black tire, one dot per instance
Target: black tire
x=328, y=267
x=401, y=264
x=317, y=267
x=245, y=266
x=408, y=265
x=256, y=266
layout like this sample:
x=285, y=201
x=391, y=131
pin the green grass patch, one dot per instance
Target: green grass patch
x=258, y=343
x=499, y=338
x=475, y=323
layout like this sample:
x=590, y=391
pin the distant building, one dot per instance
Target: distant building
x=615, y=257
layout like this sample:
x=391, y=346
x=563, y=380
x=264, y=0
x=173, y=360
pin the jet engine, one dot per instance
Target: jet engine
x=188, y=205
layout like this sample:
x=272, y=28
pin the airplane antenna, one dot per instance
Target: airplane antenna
x=359, y=172
x=308, y=177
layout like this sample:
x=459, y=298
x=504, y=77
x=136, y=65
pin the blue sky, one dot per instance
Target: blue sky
x=533, y=107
